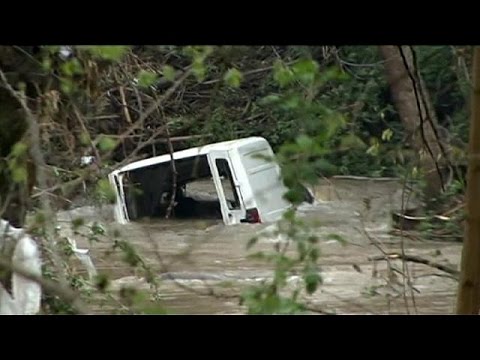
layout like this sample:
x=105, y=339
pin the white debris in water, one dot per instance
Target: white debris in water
x=88, y=213
x=84, y=257
x=381, y=227
x=331, y=242
x=128, y=281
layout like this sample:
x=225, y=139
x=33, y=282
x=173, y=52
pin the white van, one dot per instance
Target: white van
x=246, y=181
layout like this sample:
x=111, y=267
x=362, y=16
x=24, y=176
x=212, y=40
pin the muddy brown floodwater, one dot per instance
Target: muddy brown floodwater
x=206, y=256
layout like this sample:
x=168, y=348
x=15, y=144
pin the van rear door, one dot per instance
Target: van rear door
x=120, y=208
x=227, y=186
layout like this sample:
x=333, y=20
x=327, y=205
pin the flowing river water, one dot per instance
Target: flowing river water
x=202, y=265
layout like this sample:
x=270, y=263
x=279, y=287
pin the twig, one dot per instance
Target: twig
x=402, y=246
x=84, y=128
x=420, y=114
x=363, y=178
x=362, y=65
x=317, y=311
x=31, y=57
x=182, y=138
x=246, y=73
x=455, y=209
x=416, y=259
x=139, y=98
x=153, y=107
x=439, y=275
x=174, y=172
x=425, y=105
x=124, y=105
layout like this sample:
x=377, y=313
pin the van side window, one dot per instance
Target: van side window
x=228, y=185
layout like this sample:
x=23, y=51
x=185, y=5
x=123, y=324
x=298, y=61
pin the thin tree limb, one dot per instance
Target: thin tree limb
x=416, y=259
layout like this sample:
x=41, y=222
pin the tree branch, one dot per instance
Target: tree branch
x=418, y=260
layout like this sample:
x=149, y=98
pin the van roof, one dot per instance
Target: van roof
x=196, y=151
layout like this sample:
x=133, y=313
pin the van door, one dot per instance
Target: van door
x=227, y=186
x=124, y=209
x=119, y=208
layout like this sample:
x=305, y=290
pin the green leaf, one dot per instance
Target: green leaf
x=325, y=168
x=85, y=138
x=106, y=143
x=101, y=282
x=71, y=67
x=40, y=218
x=387, y=135
x=302, y=250
x=233, y=77
x=52, y=49
x=169, y=72
x=130, y=256
x=281, y=74
x=146, y=78
x=292, y=102
x=77, y=222
x=351, y=141
x=314, y=254
x=305, y=70
x=199, y=70
x=312, y=280
x=19, y=149
x=334, y=73
x=270, y=99
x=289, y=215
x=374, y=148
x=67, y=85
x=46, y=64
x=19, y=174
x=305, y=142
x=97, y=229
x=106, y=191
x=112, y=53
x=295, y=195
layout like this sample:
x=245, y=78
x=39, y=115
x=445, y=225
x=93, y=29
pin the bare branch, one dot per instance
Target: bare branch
x=416, y=259
x=174, y=173
x=124, y=105
x=153, y=107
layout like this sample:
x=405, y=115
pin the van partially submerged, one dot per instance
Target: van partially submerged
x=245, y=180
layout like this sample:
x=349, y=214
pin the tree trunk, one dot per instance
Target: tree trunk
x=468, y=301
x=416, y=112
